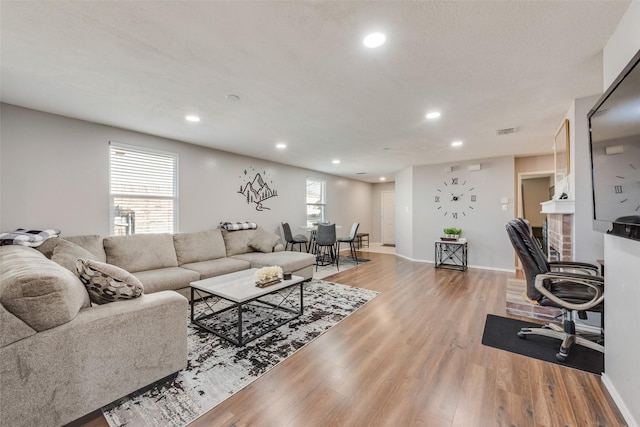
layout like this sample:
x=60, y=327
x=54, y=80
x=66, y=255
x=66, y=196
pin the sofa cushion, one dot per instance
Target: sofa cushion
x=141, y=252
x=263, y=240
x=92, y=243
x=237, y=242
x=289, y=261
x=196, y=247
x=38, y=291
x=217, y=267
x=107, y=283
x=67, y=254
x=166, y=279
x=12, y=329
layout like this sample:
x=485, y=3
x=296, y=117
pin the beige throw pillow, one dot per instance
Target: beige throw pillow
x=263, y=240
x=67, y=254
x=108, y=283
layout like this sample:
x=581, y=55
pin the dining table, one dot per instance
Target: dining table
x=312, y=230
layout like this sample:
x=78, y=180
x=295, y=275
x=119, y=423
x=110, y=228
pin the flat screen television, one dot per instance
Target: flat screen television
x=614, y=130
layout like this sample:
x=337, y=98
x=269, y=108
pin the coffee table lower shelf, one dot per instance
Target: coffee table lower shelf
x=240, y=338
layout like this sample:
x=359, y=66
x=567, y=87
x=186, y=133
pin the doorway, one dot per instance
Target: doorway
x=388, y=218
x=533, y=189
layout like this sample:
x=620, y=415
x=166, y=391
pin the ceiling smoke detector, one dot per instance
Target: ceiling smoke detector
x=505, y=131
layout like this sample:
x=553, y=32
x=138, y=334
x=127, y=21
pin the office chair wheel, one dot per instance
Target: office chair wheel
x=522, y=335
x=561, y=357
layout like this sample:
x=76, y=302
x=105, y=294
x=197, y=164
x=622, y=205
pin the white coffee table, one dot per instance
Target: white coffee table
x=237, y=292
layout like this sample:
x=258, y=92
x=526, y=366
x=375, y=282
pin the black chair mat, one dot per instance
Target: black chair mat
x=502, y=333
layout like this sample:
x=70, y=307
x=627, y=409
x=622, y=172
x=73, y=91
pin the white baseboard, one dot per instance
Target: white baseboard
x=619, y=402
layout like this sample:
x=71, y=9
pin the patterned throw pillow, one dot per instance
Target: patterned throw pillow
x=31, y=238
x=234, y=226
x=108, y=283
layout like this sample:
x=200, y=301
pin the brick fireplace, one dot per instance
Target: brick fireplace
x=559, y=229
x=560, y=236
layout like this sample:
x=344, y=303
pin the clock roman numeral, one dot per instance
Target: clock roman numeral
x=617, y=189
x=437, y=199
x=455, y=215
x=473, y=197
x=454, y=181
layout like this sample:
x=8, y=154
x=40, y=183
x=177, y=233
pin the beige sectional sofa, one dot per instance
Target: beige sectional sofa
x=62, y=357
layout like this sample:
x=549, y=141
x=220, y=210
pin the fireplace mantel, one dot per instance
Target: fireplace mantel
x=559, y=207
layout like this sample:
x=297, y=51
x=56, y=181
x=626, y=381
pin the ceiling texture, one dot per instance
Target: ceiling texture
x=303, y=76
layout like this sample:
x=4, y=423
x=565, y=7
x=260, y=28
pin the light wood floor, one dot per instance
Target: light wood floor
x=413, y=357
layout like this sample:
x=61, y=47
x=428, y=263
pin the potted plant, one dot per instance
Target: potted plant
x=451, y=234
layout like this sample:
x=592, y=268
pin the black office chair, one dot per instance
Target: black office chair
x=325, y=244
x=351, y=239
x=571, y=286
x=299, y=239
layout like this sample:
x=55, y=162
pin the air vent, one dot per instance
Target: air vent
x=505, y=131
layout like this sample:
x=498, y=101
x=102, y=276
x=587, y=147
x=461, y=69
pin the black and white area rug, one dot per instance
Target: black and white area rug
x=217, y=369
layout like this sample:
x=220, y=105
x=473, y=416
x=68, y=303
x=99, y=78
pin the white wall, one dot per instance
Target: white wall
x=622, y=257
x=376, y=209
x=622, y=45
x=404, y=213
x=55, y=174
x=483, y=224
x=622, y=317
x=588, y=244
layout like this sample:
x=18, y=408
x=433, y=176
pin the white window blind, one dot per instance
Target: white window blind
x=316, y=201
x=143, y=190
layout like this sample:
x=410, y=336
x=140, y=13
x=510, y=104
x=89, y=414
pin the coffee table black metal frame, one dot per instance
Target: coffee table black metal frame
x=211, y=298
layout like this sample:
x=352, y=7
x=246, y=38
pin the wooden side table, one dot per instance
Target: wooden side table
x=451, y=254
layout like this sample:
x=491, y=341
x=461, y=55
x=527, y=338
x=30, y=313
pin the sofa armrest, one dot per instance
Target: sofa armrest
x=105, y=353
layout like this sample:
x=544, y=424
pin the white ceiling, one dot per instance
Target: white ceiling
x=304, y=77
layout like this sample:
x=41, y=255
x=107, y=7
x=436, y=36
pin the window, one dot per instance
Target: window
x=316, y=201
x=143, y=190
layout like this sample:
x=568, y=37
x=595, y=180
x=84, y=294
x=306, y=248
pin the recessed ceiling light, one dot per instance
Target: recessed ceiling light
x=382, y=178
x=374, y=40
x=335, y=161
x=281, y=145
x=433, y=115
x=456, y=143
x=192, y=118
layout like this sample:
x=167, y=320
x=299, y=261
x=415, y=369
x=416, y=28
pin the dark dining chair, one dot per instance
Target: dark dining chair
x=292, y=240
x=325, y=244
x=562, y=284
x=351, y=240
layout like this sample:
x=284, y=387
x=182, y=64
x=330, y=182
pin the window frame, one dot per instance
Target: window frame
x=323, y=200
x=174, y=198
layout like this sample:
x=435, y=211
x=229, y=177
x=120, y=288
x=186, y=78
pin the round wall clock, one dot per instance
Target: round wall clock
x=455, y=198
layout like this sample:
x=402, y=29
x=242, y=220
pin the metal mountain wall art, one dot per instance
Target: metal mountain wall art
x=257, y=191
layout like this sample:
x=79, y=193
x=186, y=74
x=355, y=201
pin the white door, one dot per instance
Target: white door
x=388, y=217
